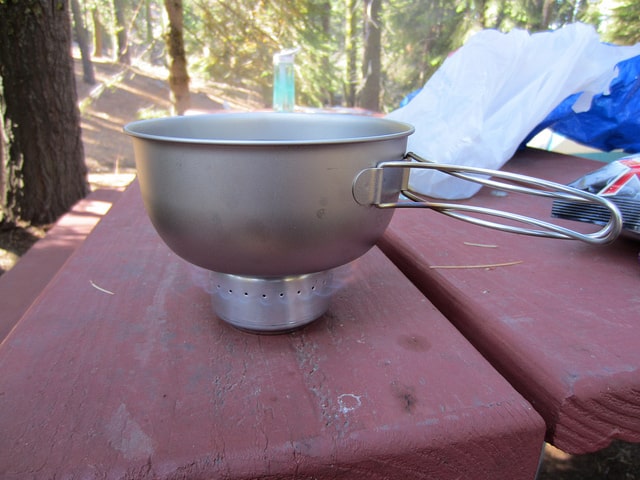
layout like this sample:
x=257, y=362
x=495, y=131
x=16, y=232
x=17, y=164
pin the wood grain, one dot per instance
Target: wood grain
x=562, y=325
x=144, y=382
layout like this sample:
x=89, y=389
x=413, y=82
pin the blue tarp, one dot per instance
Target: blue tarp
x=612, y=122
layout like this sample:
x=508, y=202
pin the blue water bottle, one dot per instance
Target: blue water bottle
x=284, y=87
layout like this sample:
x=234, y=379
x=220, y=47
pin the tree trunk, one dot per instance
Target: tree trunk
x=148, y=21
x=122, y=35
x=98, y=33
x=82, y=37
x=325, y=62
x=351, y=50
x=3, y=158
x=45, y=173
x=371, y=66
x=178, y=76
x=547, y=12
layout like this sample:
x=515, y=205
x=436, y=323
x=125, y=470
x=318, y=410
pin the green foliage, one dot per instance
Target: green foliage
x=234, y=42
x=231, y=43
x=626, y=23
x=418, y=36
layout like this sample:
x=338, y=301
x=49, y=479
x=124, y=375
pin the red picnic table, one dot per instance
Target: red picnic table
x=119, y=369
x=559, y=319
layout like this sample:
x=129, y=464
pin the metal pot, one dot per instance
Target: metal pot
x=265, y=194
x=276, y=195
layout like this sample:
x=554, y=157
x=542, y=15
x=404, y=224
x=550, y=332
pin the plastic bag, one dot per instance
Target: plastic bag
x=613, y=120
x=491, y=93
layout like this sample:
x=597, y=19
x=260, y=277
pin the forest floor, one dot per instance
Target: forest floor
x=122, y=95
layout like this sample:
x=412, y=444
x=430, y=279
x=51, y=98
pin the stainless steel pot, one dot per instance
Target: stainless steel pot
x=279, y=194
x=265, y=194
x=276, y=195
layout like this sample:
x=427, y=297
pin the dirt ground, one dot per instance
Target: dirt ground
x=125, y=94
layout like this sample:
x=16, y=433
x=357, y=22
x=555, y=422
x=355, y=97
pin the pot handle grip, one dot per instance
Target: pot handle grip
x=368, y=188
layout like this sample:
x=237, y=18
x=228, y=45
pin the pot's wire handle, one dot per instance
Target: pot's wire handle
x=510, y=182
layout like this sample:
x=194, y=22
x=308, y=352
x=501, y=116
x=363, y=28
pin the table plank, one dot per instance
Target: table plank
x=137, y=379
x=562, y=326
x=23, y=283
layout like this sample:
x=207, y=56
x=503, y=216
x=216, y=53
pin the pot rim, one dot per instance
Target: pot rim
x=159, y=129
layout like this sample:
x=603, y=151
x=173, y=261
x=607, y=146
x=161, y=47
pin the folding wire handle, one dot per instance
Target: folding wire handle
x=370, y=188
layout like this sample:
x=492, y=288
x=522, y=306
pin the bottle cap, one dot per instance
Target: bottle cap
x=285, y=56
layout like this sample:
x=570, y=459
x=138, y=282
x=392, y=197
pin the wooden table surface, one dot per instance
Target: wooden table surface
x=119, y=369
x=20, y=286
x=563, y=326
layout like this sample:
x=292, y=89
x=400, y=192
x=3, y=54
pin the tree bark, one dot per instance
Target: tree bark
x=3, y=159
x=351, y=51
x=547, y=12
x=371, y=65
x=325, y=62
x=83, y=43
x=178, y=76
x=98, y=33
x=44, y=169
x=148, y=21
x=122, y=35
